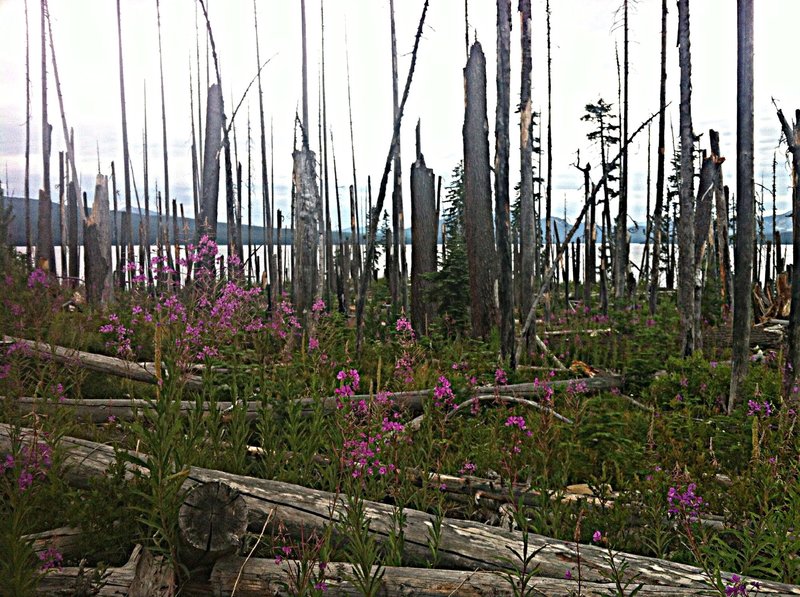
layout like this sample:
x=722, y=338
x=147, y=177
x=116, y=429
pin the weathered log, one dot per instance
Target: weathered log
x=144, y=575
x=213, y=521
x=121, y=409
x=66, y=540
x=257, y=577
x=144, y=372
x=463, y=545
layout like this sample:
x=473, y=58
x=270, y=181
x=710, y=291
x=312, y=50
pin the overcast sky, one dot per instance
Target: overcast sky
x=584, y=36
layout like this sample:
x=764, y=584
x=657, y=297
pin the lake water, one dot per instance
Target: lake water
x=636, y=250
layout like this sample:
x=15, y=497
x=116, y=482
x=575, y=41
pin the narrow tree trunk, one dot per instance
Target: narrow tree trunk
x=655, y=271
x=45, y=254
x=330, y=267
x=354, y=235
x=265, y=203
x=621, y=238
x=481, y=253
x=424, y=223
x=723, y=249
x=397, y=276
x=686, y=223
x=343, y=266
x=27, y=184
x=549, y=188
x=164, y=134
x=745, y=190
x=502, y=200
x=127, y=230
x=72, y=241
x=62, y=216
x=527, y=230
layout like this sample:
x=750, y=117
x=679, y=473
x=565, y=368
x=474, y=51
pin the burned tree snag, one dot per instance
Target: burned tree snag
x=45, y=254
x=97, y=238
x=207, y=216
x=502, y=201
x=655, y=271
x=304, y=282
x=424, y=223
x=745, y=195
x=792, y=135
x=477, y=197
x=528, y=231
x=686, y=222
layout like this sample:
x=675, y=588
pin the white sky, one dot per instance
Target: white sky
x=584, y=37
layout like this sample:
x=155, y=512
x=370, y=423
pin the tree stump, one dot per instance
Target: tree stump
x=213, y=521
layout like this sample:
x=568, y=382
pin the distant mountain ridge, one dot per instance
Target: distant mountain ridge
x=560, y=228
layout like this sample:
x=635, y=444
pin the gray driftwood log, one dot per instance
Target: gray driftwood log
x=464, y=545
x=144, y=372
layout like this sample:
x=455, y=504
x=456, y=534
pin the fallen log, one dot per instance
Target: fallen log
x=124, y=409
x=462, y=544
x=144, y=372
x=143, y=575
x=257, y=577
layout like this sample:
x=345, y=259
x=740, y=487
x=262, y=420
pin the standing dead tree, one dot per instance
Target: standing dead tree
x=207, y=214
x=655, y=271
x=686, y=189
x=127, y=219
x=481, y=253
x=306, y=277
x=745, y=197
x=792, y=134
x=27, y=187
x=399, y=272
x=424, y=224
x=45, y=254
x=97, y=233
x=378, y=207
x=501, y=184
x=527, y=230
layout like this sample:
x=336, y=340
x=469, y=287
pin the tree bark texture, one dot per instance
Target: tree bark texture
x=792, y=135
x=481, y=253
x=745, y=216
x=424, y=223
x=621, y=266
x=306, y=230
x=527, y=228
x=502, y=200
x=207, y=217
x=99, y=278
x=127, y=229
x=686, y=222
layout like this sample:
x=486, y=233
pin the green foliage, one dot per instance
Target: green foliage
x=451, y=283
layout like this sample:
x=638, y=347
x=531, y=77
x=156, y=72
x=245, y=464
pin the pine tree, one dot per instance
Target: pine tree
x=450, y=283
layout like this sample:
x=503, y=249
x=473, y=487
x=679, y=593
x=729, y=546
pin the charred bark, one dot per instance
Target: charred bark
x=745, y=196
x=424, y=222
x=481, y=253
x=207, y=216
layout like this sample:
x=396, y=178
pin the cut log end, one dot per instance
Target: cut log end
x=213, y=520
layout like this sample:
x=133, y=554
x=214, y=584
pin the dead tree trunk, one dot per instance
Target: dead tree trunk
x=27, y=183
x=424, y=223
x=621, y=250
x=709, y=175
x=45, y=254
x=97, y=238
x=686, y=223
x=481, y=253
x=207, y=217
x=501, y=181
x=721, y=208
x=72, y=241
x=127, y=226
x=745, y=191
x=792, y=375
x=527, y=230
x=306, y=239
x=397, y=276
x=655, y=270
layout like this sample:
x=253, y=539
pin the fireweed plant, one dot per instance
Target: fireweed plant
x=295, y=369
